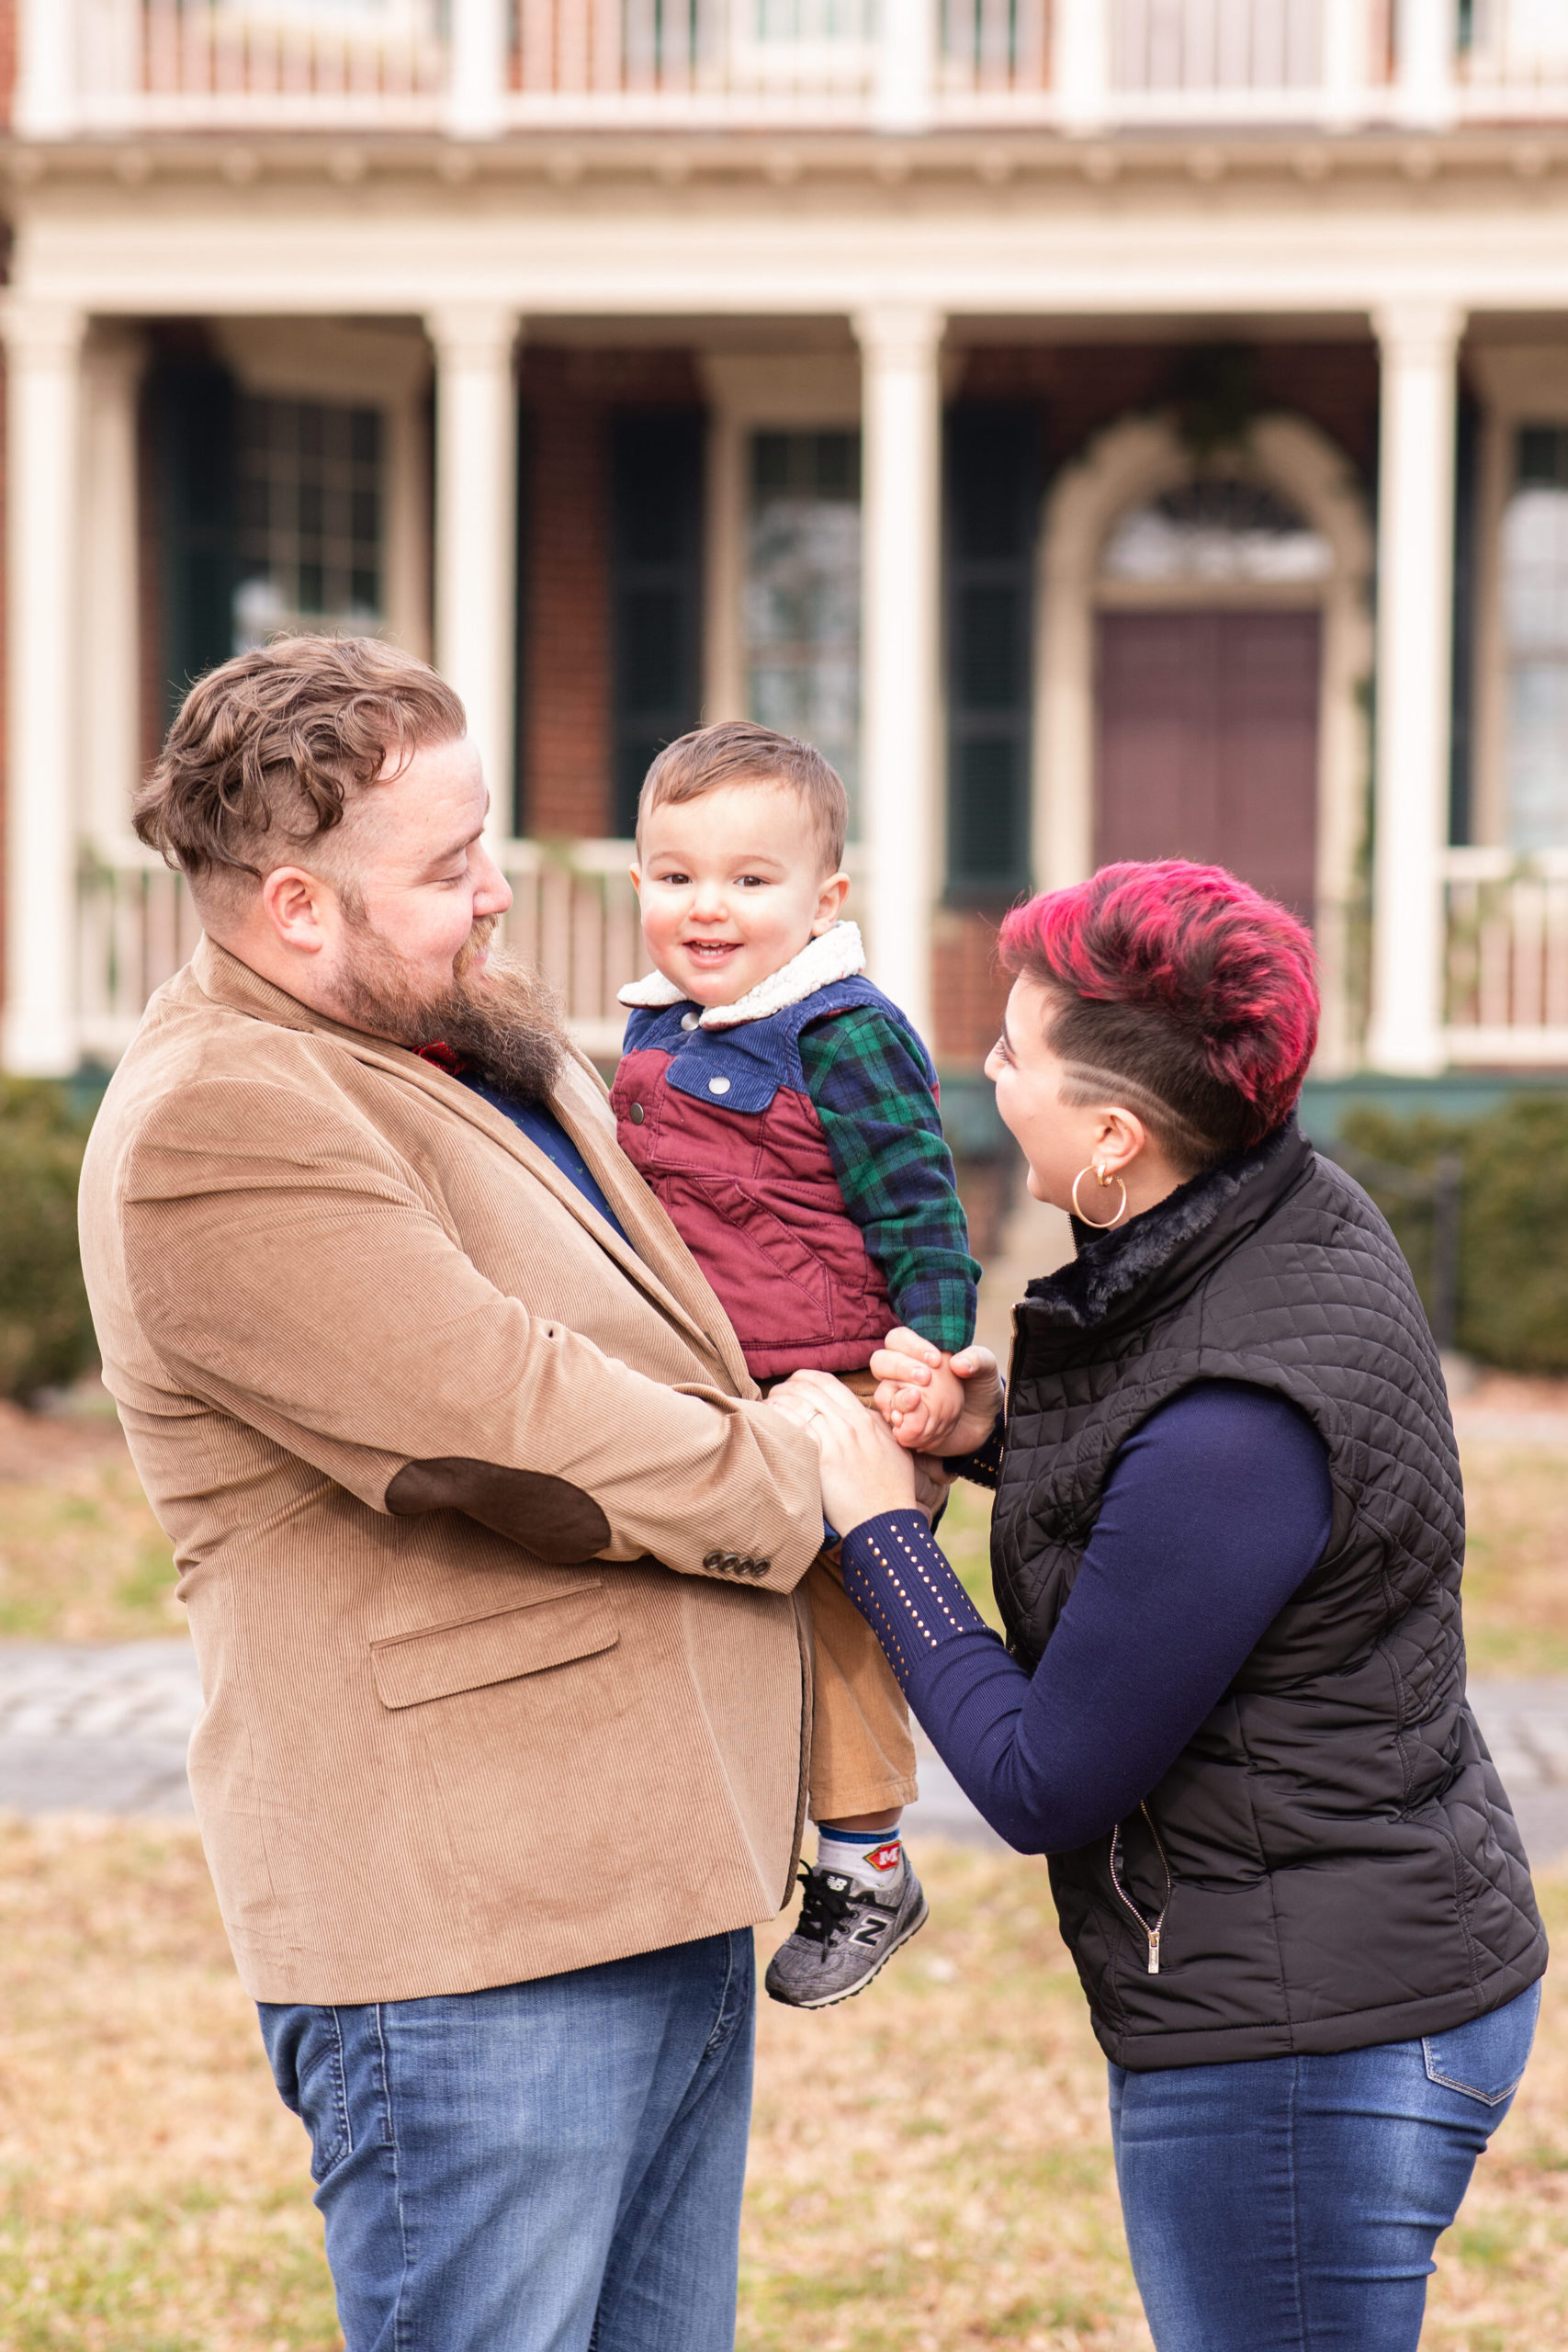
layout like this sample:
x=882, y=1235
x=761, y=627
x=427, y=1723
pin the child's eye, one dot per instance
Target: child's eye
x=678, y=878
x=1001, y=1047
x=752, y=881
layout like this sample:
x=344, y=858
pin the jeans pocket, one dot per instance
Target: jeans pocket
x=1486, y=2058
x=305, y=2045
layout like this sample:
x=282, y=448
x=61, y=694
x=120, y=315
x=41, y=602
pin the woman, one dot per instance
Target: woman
x=1226, y=1545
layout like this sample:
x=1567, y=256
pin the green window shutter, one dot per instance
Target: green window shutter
x=993, y=501
x=193, y=419
x=656, y=502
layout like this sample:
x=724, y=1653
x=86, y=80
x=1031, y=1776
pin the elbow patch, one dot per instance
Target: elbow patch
x=549, y=1516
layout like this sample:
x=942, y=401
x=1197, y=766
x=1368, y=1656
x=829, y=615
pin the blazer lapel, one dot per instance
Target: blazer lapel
x=224, y=976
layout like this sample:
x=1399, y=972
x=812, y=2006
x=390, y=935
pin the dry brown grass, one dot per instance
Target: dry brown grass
x=82, y=1557
x=931, y=2166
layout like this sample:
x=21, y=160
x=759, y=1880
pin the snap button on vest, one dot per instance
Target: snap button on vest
x=690, y=1020
x=636, y=1114
x=719, y=1086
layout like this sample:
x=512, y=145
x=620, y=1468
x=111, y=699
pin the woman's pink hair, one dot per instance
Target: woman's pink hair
x=1185, y=982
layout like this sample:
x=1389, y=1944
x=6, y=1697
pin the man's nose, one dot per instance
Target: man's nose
x=492, y=891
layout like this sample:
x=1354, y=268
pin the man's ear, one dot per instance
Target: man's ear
x=297, y=906
x=830, y=903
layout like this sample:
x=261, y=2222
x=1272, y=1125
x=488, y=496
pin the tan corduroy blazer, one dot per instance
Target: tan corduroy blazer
x=489, y=1551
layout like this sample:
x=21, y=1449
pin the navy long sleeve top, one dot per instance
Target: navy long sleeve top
x=1215, y=1511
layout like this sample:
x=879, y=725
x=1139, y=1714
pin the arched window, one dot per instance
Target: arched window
x=1218, y=528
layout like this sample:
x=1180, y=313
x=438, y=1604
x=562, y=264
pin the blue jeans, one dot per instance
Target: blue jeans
x=546, y=2167
x=1291, y=2204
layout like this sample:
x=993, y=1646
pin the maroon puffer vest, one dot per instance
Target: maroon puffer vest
x=720, y=1123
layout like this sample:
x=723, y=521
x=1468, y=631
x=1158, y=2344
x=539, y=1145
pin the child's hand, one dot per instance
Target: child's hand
x=964, y=1393
x=923, y=1418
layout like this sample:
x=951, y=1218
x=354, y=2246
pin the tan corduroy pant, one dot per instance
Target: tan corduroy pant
x=862, y=1756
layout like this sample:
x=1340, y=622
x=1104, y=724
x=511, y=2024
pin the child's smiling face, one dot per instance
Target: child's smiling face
x=732, y=887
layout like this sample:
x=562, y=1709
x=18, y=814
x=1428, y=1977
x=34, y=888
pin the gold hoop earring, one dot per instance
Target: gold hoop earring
x=1104, y=1180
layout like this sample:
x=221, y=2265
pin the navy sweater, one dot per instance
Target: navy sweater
x=1213, y=1513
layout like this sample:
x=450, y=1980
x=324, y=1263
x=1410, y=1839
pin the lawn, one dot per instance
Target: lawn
x=930, y=2165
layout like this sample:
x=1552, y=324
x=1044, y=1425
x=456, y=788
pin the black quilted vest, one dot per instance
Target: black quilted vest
x=1331, y=1862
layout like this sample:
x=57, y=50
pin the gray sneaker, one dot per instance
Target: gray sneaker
x=844, y=1937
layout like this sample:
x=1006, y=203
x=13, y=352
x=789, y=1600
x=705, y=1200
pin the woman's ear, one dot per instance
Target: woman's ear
x=1122, y=1137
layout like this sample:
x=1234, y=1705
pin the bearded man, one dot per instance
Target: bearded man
x=488, y=1546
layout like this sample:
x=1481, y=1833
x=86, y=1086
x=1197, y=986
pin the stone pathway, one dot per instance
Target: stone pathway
x=96, y=1727
x=103, y=1728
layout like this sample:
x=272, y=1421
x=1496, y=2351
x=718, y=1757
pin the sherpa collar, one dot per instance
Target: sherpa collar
x=1134, y=1267
x=836, y=955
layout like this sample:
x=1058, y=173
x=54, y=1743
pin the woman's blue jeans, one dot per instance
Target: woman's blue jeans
x=1291, y=2204
x=553, y=2166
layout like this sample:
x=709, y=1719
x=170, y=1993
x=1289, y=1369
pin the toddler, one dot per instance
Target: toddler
x=785, y=1113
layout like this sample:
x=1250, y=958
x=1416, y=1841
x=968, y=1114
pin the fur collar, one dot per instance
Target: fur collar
x=1110, y=1266
x=836, y=955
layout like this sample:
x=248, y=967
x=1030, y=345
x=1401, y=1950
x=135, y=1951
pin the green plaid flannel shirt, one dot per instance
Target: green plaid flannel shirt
x=866, y=1075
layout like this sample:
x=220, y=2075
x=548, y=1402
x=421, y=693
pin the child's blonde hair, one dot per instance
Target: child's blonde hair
x=737, y=751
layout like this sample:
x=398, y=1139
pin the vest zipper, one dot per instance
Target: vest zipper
x=1152, y=1929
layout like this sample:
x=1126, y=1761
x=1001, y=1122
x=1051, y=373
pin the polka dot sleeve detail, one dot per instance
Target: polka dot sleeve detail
x=899, y=1580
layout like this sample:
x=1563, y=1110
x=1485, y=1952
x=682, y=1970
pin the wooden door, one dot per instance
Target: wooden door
x=1208, y=743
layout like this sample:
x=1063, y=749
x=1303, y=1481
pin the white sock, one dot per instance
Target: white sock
x=871, y=1858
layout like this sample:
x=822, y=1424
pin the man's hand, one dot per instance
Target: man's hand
x=936, y=1403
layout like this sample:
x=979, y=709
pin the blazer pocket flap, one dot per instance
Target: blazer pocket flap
x=445, y=1660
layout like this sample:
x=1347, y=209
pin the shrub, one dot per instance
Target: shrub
x=1513, y=1257
x=46, y=1333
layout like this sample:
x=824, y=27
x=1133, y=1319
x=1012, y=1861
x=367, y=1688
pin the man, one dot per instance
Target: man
x=489, y=1549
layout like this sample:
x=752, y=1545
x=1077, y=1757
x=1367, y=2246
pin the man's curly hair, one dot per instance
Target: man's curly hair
x=267, y=750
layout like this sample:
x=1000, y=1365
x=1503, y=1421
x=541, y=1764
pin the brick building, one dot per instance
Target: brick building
x=1113, y=427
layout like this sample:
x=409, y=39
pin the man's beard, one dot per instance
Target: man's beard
x=499, y=1016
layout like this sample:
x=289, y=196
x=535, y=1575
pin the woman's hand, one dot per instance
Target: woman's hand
x=915, y=1393
x=865, y=1471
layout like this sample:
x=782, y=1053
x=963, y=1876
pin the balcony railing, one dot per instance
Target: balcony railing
x=479, y=68
x=1507, y=957
x=574, y=916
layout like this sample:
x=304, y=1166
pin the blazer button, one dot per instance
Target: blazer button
x=762, y=1566
x=719, y=1086
x=713, y=1559
x=636, y=1114
x=732, y=1562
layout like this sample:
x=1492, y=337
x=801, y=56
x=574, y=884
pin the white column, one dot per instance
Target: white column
x=43, y=362
x=111, y=652
x=46, y=101
x=1426, y=45
x=1082, y=51
x=478, y=57
x=1347, y=62
x=1418, y=342
x=901, y=397
x=476, y=530
x=905, y=57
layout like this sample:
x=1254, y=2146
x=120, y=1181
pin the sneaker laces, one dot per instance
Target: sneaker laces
x=825, y=1906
